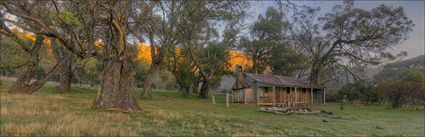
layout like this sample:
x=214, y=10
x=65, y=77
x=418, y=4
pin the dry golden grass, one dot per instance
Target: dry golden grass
x=53, y=115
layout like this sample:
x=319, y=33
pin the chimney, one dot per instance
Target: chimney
x=239, y=78
x=238, y=70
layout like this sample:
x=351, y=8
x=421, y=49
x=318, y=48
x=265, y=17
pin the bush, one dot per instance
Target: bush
x=401, y=93
x=359, y=91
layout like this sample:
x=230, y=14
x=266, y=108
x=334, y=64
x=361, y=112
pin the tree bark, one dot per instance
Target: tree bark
x=23, y=83
x=314, y=74
x=255, y=64
x=195, y=88
x=147, y=84
x=65, y=74
x=183, y=88
x=203, y=93
x=65, y=70
x=118, y=87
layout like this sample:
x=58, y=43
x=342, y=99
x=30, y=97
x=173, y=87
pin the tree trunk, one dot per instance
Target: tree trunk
x=22, y=83
x=195, y=88
x=314, y=75
x=204, y=89
x=147, y=84
x=118, y=87
x=66, y=74
x=255, y=64
x=183, y=88
x=65, y=70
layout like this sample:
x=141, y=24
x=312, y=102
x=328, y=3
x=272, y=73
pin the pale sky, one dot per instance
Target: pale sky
x=414, y=45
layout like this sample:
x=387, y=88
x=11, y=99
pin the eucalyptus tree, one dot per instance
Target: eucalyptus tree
x=172, y=25
x=12, y=56
x=200, y=34
x=33, y=49
x=267, y=34
x=159, y=24
x=348, y=38
x=65, y=70
x=180, y=65
x=284, y=60
x=78, y=25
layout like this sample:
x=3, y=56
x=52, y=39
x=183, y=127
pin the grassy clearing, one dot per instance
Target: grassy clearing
x=48, y=113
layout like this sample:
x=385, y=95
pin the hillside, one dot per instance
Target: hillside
x=397, y=69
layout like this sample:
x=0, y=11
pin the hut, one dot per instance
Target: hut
x=275, y=90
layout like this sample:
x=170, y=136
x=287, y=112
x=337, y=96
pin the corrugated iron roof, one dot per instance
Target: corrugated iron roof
x=278, y=80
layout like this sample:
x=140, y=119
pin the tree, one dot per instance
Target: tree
x=400, y=93
x=176, y=24
x=414, y=75
x=393, y=90
x=212, y=61
x=88, y=71
x=12, y=56
x=180, y=65
x=359, y=91
x=23, y=83
x=199, y=30
x=78, y=25
x=267, y=33
x=162, y=29
x=348, y=37
x=285, y=61
x=65, y=70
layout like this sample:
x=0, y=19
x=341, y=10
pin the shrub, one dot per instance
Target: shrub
x=401, y=93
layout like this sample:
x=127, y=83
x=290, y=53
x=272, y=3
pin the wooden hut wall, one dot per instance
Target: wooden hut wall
x=249, y=93
x=304, y=95
x=238, y=96
x=284, y=95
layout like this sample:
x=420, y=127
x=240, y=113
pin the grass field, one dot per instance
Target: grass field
x=48, y=113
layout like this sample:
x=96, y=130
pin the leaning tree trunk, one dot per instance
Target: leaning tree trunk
x=23, y=83
x=195, y=88
x=203, y=93
x=183, y=88
x=65, y=76
x=118, y=87
x=147, y=84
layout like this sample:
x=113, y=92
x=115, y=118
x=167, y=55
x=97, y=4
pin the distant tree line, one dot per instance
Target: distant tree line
x=407, y=90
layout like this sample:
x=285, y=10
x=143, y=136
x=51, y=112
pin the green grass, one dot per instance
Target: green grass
x=49, y=113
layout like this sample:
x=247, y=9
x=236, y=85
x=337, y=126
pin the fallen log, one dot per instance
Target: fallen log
x=307, y=113
x=322, y=113
x=275, y=110
x=339, y=117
